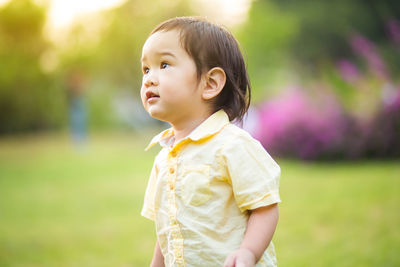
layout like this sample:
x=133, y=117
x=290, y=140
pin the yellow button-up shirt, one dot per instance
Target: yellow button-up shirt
x=201, y=188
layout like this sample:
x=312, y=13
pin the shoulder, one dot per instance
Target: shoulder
x=239, y=145
x=234, y=136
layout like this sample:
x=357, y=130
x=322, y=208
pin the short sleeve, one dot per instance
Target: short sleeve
x=148, y=210
x=252, y=171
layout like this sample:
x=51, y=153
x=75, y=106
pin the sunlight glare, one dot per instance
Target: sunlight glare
x=3, y=2
x=63, y=12
x=228, y=12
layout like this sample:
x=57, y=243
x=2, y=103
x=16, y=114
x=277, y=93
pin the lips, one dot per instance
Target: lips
x=151, y=95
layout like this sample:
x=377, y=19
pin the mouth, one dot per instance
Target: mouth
x=151, y=96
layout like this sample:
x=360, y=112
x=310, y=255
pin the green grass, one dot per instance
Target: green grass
x=342, y=214
x=60, y=206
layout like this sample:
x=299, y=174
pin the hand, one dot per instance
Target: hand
x=240, y=258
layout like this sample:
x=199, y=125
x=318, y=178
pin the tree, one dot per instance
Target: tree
x=26, y=100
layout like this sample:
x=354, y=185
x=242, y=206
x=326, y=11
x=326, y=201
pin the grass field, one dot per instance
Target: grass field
x=60, y=206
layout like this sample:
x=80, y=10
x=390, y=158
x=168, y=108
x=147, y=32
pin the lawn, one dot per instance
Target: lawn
x=64, y=206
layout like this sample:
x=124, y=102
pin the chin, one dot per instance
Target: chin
x=156, y=114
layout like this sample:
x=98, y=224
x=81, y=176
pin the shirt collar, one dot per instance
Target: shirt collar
x=212, y=125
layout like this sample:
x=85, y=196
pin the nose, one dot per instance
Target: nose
x=150, y=80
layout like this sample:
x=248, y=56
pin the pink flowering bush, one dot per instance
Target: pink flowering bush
x=357, y=117
x=296, y=126
x=383, y=137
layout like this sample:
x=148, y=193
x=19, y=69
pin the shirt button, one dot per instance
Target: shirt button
x=171, y=186
x=171, y=170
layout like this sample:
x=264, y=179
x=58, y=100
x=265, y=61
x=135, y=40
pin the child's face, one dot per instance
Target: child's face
x=170, y=85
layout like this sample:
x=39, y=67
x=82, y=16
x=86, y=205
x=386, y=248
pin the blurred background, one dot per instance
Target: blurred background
x=325, y=104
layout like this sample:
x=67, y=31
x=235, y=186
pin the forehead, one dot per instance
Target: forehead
x=162, y=41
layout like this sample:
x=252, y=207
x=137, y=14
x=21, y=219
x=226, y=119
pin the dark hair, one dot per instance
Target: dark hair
x=210, y=46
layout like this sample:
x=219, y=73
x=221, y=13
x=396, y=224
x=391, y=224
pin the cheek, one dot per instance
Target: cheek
x=143, y=94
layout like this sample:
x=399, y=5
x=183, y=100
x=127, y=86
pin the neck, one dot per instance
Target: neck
x=184, y=128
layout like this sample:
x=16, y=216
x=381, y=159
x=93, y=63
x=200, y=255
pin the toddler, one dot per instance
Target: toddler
x=213, y=189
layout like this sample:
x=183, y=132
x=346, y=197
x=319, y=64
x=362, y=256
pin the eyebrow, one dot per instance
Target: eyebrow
x=160, y=54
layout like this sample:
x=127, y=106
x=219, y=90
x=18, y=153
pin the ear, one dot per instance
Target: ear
x=214, y=83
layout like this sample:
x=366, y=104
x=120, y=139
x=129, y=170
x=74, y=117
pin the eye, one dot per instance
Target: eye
x=145, y=70
x=164, y=65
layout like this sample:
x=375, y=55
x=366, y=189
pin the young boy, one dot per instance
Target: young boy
x=213, y=189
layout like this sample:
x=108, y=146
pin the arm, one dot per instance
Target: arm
x=158, y=258
x=260, y=229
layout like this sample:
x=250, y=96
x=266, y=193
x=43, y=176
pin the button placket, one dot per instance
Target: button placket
x=171, y=172
x=177, y=239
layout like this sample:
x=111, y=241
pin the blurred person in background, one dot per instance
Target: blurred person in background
x=75, y=82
